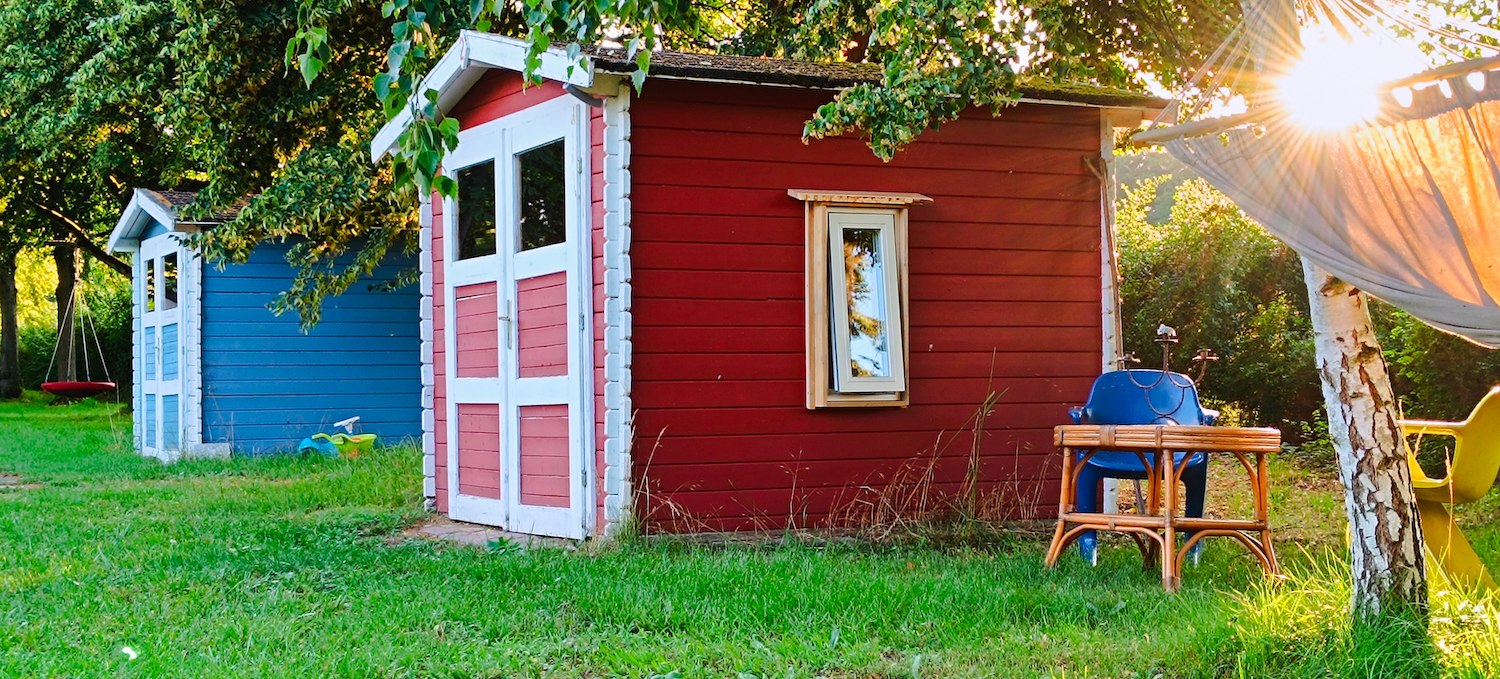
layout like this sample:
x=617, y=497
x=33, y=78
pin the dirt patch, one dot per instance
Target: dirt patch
x=444, y=529
x=13, y=482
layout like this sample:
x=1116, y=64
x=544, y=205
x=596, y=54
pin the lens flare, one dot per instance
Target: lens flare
x=1336, y=82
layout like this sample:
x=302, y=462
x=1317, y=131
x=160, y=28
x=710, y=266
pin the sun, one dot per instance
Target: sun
x=1336, y=83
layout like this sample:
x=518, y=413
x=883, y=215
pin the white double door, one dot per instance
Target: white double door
x=159, y=301
x=517, y=318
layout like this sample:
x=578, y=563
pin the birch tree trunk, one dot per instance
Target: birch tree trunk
x=1385, y=530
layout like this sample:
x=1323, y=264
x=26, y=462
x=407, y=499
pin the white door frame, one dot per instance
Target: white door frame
x=501, y=140
x=152, y=251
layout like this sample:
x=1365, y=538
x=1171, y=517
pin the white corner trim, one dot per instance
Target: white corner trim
x=137, y=366
x=461, y=66
x=429, y=381
x=1109, y=274
x=192, y=358
x=618, y=412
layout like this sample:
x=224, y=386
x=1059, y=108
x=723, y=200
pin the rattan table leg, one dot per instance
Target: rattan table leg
x=1169, y=575
x=1065, y=504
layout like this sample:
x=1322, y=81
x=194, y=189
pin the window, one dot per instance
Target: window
x=169, y=281
x=150, y=285
x=476, y=210
x=856, y=304
x=866, y=332
x=543, y=189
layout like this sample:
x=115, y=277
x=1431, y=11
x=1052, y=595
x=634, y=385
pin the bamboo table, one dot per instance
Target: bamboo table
x=1155, y=531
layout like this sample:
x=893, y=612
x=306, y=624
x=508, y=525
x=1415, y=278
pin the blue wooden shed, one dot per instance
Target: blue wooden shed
x=217, y=373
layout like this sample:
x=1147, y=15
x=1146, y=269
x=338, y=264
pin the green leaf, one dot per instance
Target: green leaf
x=383, y=86
x=310, y=66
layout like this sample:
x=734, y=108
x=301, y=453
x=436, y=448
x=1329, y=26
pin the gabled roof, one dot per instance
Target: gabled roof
x=161, y=206
x=476, y=52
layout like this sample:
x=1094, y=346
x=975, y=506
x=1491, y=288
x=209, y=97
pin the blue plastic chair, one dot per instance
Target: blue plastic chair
x=1139, y=397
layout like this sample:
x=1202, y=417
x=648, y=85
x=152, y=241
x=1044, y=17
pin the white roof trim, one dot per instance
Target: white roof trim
x=144, y=207
x=460, y=68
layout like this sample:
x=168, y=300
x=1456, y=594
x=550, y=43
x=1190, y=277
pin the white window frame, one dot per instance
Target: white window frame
x=844, y=381
x=830, y=379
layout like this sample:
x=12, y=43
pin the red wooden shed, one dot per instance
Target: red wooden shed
x=664, y=307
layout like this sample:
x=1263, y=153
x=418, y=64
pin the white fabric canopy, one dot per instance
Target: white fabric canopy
x=1406, y=208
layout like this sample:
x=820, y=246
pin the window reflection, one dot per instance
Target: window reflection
x=543, y=188
x=476, y=210
x=169, y=281
x=150, y=285
x=865, y=298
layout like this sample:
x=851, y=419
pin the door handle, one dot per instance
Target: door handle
x=506, y=320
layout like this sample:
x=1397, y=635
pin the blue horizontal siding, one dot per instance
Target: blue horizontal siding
x=321, y=420
x=256, y=300
x=315, y=342
x=339, y=383
x=334, y=365
x=343, y=316
x=266, y=384
x=330, y=327
x=294, y=432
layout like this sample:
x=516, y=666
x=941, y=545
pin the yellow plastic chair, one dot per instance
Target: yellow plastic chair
x=1476, y=461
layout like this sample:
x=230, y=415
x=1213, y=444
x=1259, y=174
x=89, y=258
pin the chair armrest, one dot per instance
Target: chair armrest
x=1210, y=416
x=1433, y=427
x=1076, y=412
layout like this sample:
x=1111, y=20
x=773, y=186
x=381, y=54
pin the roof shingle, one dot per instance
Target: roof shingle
x=769, y=71
x=181, y=199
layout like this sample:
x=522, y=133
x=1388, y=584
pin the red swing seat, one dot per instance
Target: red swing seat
x=78, y=389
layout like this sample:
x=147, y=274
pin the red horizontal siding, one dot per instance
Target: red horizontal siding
x=1004, y=292
x=498, y=94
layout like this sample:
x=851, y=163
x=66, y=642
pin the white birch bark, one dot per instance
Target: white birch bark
x=1384, y=526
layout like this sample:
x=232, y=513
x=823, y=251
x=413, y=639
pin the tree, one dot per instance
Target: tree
x=103, y=98
x=49, y=179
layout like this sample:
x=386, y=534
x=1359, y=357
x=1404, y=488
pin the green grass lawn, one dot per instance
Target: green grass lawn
x=301, y=568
